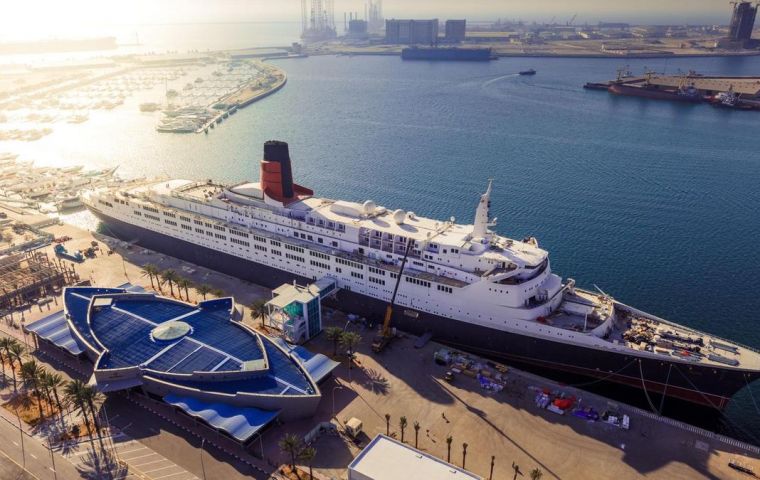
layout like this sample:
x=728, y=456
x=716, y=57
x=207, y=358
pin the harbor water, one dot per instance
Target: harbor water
x=656, y=203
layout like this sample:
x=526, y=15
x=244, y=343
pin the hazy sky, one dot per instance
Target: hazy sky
x=49, y=16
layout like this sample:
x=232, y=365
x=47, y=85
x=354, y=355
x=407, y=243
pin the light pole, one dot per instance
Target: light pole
x=203, y=467
x=333, y=398
x=21, y=432
x=52, y=459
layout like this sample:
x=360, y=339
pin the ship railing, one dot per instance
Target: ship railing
x=710, y=336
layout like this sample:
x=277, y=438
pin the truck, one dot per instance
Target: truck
x=61, y=252
x=354, y=427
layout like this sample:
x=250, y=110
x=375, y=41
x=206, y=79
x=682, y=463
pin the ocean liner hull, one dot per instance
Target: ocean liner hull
x=710, y=385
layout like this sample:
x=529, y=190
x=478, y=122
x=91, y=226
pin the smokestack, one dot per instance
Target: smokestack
x=276, y=174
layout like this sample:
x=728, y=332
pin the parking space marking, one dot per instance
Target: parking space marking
x=170, y=475
x=148, y=463
x=135, y=450
x=162, y=468
x=139, y=456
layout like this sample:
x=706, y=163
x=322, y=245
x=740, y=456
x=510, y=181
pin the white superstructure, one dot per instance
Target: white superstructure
x=463, y=272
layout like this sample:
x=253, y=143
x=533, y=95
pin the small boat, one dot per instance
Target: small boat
x=530, y=71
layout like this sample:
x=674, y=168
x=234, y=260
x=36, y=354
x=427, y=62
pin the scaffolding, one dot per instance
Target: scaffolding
x=28, y=276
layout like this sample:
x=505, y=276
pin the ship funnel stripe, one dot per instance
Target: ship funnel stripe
x=276, y=174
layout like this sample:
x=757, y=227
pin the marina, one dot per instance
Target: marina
x=388, y=302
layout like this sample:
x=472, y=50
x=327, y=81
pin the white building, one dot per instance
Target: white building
x=385, y=458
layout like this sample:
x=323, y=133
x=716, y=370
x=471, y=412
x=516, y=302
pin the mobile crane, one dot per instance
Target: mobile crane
x=384, y=338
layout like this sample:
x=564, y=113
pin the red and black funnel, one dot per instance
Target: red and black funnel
x=277, y=175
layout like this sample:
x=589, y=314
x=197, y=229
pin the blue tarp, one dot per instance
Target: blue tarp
x=240, y=422
x=55, y=329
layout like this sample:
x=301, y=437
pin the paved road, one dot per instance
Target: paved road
x=38, y=461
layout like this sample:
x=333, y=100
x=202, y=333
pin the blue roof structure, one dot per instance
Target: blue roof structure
x=54, y=328
x=241, y=423
x=319, y=366
x=212, y=353
x=198, y=356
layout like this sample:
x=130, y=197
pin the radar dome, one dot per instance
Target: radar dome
x=369, y=207
x=399, y=216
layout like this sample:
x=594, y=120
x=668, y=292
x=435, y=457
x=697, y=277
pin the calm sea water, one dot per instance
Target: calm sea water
x=656, y=203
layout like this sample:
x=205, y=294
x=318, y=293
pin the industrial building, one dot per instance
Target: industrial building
x=455, y=31
x=357, y=29
x=411, y=32
x=198, y=358
x=740, y=29
x=385, y=458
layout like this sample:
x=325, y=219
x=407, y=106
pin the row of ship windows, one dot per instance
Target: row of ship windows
x=313, y=253
x=327, y=224
x=310, y=238
x=107, y=204
x=295, y=257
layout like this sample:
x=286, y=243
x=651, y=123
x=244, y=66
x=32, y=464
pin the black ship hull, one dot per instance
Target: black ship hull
x=711, y=386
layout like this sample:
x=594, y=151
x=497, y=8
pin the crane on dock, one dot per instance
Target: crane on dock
x=386, y=335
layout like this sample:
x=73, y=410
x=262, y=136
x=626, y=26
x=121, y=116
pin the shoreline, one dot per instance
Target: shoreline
x=552, y=55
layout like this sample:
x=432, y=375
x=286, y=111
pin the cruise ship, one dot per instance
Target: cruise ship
x=468, y=286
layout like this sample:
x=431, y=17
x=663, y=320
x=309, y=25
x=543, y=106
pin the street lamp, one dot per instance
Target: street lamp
x=21, y=432
x=333, y=398
x=203, y=467
x=52, y=459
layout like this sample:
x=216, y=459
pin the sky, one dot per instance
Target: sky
x=46, y=18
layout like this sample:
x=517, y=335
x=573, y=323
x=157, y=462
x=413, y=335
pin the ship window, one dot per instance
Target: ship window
x=320, y=240
x=334, y=244
x=341, y=227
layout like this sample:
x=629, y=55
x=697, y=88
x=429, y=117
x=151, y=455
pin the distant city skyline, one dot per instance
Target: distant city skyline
x=47, y=18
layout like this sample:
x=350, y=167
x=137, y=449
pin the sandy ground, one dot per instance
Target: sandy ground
x=405, y=381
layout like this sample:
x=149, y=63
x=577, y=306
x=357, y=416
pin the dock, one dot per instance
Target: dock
x=406, y=381
x=738, y=92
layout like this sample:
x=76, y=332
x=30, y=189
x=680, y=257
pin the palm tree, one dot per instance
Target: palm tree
x=169, y=276
x=388, y=424
x=464, y=453
x=290, y=444
x=307, y=455
x=449, y=439
x=151, y=271
x=186, y=284
x=260, y=310
x=416, y=432
x=45, y=388
x=31, y=374
x=91, y=397
x=4, y=343
x=55, y=381
x=218, y=292
x=350, y=340
x=72, y=394
x=402, y=426
x=333, y=334
x=203, y=289
x=15, y=351
x=536, y=474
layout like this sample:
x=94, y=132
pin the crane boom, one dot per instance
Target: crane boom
x=385, y=336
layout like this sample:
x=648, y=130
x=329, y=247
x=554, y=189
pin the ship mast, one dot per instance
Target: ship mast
x=481, y=223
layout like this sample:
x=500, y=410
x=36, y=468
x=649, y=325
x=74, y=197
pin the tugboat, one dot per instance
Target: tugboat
x=529, y=71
